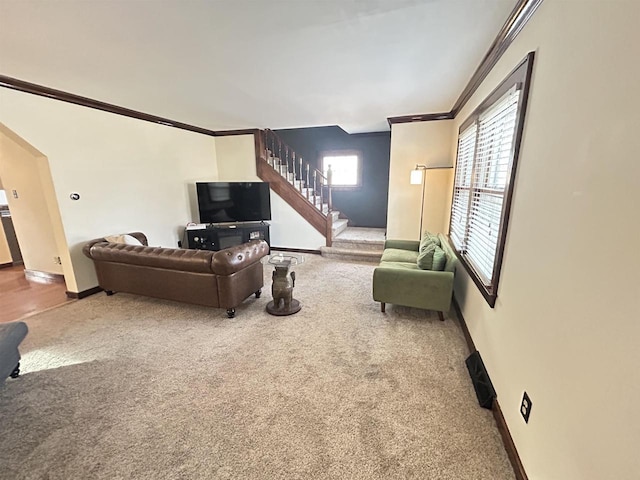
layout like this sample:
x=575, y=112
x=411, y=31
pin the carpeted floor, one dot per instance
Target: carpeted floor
x=128, y=387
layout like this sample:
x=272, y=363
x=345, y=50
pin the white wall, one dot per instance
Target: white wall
x=237, y=162
x=25, y=170
x=131, y=175
x=290, y=230
x=426, y=143
x=566, y=324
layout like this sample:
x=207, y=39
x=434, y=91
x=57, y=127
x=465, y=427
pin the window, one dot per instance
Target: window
x=345, y=168
x=488, y=146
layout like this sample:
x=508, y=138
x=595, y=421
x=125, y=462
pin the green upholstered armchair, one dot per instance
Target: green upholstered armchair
x=399, y=281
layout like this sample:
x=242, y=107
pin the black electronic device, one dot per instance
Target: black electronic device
x=223, y=202
x=218, y=237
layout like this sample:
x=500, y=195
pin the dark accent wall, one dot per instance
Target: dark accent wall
x=365, y=206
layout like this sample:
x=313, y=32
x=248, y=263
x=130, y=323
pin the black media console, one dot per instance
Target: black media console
x=220, y=236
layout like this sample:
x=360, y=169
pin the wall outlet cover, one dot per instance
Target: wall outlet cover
x=525, y=407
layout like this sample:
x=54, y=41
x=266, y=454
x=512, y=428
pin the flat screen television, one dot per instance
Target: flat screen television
x=220, y=202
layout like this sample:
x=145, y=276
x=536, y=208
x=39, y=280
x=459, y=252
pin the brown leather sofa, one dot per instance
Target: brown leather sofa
x=221, y=279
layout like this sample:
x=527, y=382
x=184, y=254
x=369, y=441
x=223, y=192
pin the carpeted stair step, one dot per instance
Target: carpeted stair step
x=338, y=226
x=357, y=245
x=351, y=254
x=360, y=239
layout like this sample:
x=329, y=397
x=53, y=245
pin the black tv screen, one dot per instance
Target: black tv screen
x=220, y=202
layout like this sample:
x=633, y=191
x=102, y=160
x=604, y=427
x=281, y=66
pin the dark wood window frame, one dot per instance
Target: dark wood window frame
x=343, y=152
x=520, y=75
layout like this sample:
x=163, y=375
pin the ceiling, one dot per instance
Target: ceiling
x=254, y=63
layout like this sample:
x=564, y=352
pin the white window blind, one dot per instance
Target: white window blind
x=462, y=186
x=484, y=161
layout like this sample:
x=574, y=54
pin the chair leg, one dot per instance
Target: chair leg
x=258, y=293
x=441, y=316
x=109, y=292
x=16, y=371
x=382, y=307
x=231, y=312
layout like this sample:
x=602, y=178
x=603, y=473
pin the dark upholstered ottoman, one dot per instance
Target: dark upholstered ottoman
x=11, y=334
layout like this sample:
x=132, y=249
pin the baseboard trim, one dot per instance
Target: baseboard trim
x=6, y=265
x=43, y=277
x=84, y=293
x=501, y=423
x=509, y=446
x=296, y=250
x=463, y=326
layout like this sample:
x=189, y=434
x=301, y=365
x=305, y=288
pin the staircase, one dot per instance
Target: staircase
x=299, y=184
x=308, y=191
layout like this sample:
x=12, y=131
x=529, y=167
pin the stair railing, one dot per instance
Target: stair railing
x=308, y=180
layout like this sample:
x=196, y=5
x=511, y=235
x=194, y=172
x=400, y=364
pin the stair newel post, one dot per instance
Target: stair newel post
x=308, y=182
x=329, y=182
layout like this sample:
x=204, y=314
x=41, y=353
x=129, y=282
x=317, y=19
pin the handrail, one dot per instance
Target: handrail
x=314, y=177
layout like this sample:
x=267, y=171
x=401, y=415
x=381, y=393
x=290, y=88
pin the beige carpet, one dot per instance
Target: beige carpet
x=128, y=387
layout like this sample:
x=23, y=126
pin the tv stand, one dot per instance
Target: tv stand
x=218, y=236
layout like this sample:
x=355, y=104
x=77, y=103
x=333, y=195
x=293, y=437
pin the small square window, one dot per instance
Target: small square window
x=345, y=168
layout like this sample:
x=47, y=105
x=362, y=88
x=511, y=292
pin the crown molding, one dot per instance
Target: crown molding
x=518, y=18
x=516, y=21
x=27, y=87
x=422, y=117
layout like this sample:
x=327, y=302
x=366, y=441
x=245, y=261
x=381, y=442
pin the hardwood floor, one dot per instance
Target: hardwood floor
x=20, y=298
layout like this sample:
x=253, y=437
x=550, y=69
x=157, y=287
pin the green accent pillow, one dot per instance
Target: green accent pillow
x=428, y=238
x=439, y=259
x=425, y=257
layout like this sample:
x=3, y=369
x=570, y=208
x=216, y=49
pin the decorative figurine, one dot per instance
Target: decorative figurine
x=284, y=280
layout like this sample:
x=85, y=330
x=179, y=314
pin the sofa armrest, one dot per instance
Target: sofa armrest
x=428, y=289
x=234, y=259
x=403, y=244
x=86, y=249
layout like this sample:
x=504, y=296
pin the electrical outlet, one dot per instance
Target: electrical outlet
x=525, y=407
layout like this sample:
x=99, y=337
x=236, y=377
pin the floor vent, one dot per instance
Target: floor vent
x=481, y=382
